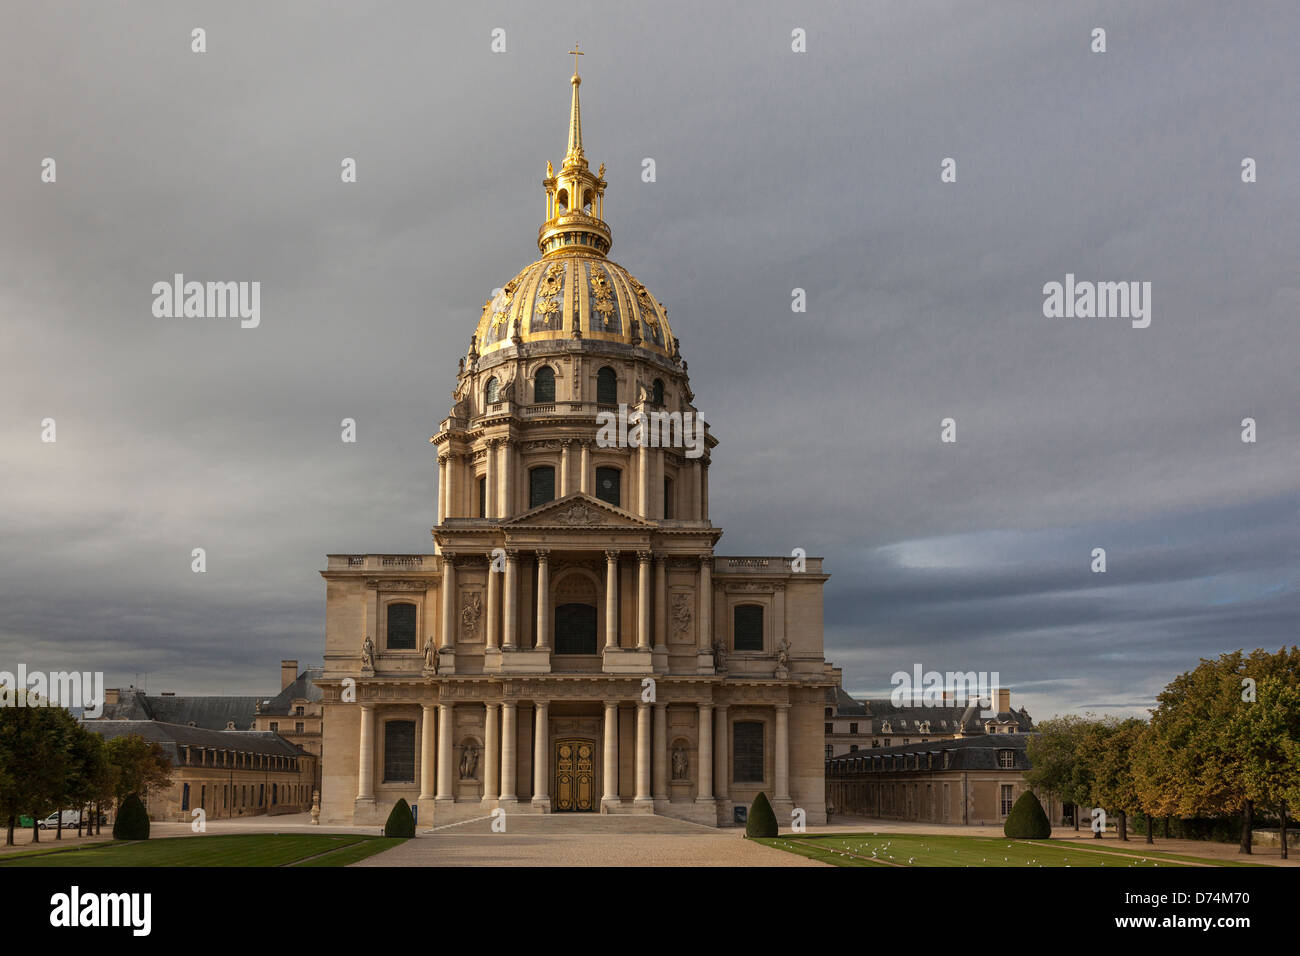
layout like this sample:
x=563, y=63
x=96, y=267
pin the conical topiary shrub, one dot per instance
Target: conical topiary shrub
x=132, y=821
x=761, y=821
x=400, y=822
x=1027, y=821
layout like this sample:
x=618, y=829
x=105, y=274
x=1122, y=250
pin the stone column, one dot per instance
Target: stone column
x=782, y=752
x=704, y=490
x=448, y=599
x=704, y=772
x=564, y=465
x=444, y=753
x=610, y=771
x=643, y=753
x=643, y=479
x=507, y=479
x=543, y=599
x=643, y=601
x=706, y=604
x=721, y=763
x=427, y=737
x=493, y=625
x=443, y=465
x=659, y=787
x=491, y=752
x=541, y=754
x=509, y=741
x=490, y=479
x=697, y=489
x=661, y=604
x=584, y=479
x=366, y=754
x=611, y=599
x=511, y=622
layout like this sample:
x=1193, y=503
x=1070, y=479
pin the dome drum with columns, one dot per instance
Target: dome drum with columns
x=508, y=668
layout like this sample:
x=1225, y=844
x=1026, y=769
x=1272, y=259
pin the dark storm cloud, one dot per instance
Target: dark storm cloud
x=775, y=171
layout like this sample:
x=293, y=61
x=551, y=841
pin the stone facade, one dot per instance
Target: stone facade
x=573, y=642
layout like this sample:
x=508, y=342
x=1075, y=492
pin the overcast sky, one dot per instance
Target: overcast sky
x=775, y=170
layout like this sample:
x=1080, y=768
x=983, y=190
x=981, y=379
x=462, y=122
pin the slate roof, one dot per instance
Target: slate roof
x=1019, y=717
x=173, y=737
x=906, y=720
x=211, y=713
x=845, y=706
x=303, y=688
x=968, y=753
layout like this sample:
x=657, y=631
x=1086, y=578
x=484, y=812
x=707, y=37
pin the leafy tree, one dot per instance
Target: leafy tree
x=138, y=766
x=35, y=751
x=1109, y=748
x=1267, y=732
x=1054, y=759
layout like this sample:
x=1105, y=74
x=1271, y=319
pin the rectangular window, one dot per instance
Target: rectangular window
x=297, y=727
x=399, y=751
x=482, y=497
x=748, y=745
x=747, y=620
x=853, y=728
x=668, y=498
x=275, y=726
x=1007, y=759
x=401, y=627
x=541, y=486
x=609, y=486
x=1006, y=799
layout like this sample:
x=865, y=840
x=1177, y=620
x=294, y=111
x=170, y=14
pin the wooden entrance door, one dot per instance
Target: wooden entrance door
x=575, y=776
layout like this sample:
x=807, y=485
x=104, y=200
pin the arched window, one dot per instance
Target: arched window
x=748, y=751
x=606, y=387
x=747, y=632
x=658, y=398
x=544, y=384
x=401, y=627
x=399, y=751
x=609, y=485
x=492, y=391
x=541, y=485
x=562, y=200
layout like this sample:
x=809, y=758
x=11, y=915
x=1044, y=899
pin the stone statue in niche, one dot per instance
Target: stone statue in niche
x=681, y=763
x=367, y=654
x=469, y=762
x=430, y=655
x=469, y=614
x=783, y=653
x=719, y=657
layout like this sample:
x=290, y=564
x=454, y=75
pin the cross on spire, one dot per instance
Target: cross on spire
x=576, y=53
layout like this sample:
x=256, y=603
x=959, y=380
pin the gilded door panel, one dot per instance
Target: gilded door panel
x=575, y=776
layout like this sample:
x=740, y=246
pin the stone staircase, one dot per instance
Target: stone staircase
x=565, y=823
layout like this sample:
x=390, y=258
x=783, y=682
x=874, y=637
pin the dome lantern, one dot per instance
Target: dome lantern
x=575, y=199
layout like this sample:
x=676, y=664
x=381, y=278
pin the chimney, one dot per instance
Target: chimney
x=288, y=673
x=112, y=695
x=1004, y=701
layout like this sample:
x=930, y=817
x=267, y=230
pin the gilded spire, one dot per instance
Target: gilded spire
x=575, y=198
x=574, y=154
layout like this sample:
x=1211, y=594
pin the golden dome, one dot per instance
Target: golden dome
x=575, y=296
x=573, y=291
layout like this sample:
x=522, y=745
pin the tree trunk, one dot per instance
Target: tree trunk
x=1282, y=821
x=1166, y=826
x=9, y=831
x=36, y=828
x=1076, y=818
x=1247, y=821
x=1150, y=826
x=58, y=824
x=1123, y=826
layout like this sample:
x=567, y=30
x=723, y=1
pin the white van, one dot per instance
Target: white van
x=69, y=820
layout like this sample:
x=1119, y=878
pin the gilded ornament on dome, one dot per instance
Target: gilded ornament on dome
x=604, y=302
x=548, y=293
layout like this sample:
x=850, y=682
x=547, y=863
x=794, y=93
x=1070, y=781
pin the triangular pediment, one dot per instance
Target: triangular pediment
x=577, y=510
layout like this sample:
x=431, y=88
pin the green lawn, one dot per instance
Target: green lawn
x=914, y=849
x=245, y=849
